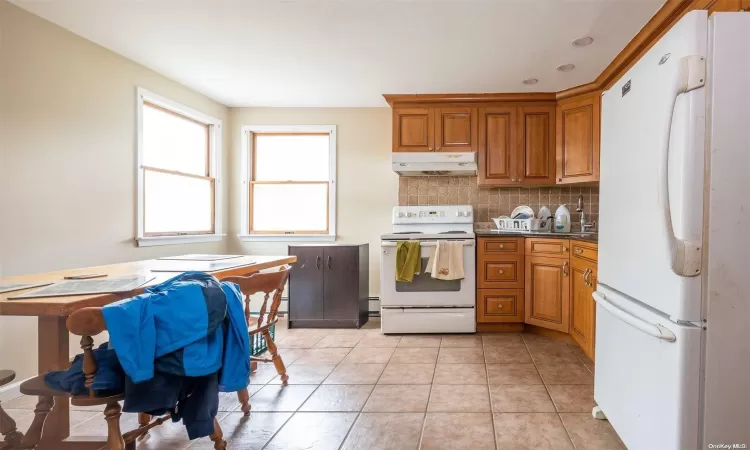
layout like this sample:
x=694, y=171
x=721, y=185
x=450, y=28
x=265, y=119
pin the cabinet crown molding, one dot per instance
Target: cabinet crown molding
x=406, y=99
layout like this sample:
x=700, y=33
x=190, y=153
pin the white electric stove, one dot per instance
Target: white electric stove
x=427, y=305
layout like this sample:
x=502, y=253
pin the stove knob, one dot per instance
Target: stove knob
x=401, y=214
x=459, y=214
x=467, y=214
x=409, y=214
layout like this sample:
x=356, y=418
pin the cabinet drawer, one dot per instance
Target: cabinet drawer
x=585, y=251
x=500, y=305
x=500, y=271
x=548, y=247
x=501, y=245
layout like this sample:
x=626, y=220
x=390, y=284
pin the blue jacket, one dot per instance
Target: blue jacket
x=190, y=325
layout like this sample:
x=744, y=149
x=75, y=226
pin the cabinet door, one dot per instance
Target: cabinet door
x=500, y=305
x=536, y=136
x=578, y=140
x=306, y=283
x=548, y=292
x=341, y=283
x=456, y=130
x=498, y=147
x=582, y=305
x=413, y=130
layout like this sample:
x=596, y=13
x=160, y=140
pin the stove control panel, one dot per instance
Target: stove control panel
x=433, y=214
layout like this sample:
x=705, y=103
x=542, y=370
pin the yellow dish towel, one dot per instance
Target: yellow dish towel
x=447, y=262
x=408, y=260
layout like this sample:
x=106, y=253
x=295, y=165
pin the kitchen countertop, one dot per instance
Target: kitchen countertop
x=586, y=237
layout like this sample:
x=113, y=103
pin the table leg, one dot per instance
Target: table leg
x=54, y=354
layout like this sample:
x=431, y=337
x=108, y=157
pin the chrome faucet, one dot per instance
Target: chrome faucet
x=585, y=225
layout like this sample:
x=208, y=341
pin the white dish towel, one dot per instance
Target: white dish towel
x=447, y=261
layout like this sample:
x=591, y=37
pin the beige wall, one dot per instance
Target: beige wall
x=67, y=159
x=367, y=188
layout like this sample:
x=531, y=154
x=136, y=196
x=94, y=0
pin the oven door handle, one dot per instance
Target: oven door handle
x=467, y=243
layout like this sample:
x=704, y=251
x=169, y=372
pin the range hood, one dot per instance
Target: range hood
x=415, y=164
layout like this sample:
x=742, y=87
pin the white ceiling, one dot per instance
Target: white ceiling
x=349, y=52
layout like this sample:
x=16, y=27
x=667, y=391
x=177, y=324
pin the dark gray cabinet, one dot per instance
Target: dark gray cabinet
x=329, y=286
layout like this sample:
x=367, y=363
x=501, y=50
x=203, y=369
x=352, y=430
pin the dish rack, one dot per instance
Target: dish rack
x=520, y=225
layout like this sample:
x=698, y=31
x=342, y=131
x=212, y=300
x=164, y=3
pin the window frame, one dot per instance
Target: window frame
x=248, y=170
x=214, y=151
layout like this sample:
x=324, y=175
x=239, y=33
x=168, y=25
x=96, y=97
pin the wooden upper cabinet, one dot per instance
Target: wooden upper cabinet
x=456, y=129
x=548, y=292
x=537, y=144
x=413, y=130
x=578, y=128
x=582, y=305
x=498, y=146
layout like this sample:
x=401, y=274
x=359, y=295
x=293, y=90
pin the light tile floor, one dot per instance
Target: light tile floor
x=357, y=389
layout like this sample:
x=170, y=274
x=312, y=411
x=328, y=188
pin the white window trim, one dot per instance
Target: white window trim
x=247, y=131
x=215, y=144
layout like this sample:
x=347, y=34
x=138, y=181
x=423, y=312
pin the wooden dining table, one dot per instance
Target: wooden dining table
x=53, y=336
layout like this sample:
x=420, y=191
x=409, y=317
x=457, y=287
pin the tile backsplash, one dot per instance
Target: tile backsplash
x=494, y=202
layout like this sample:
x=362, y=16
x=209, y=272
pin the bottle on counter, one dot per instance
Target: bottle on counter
x=562, y=220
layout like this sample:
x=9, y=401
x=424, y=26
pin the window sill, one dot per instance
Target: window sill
x=151, y=241
x=287, y=237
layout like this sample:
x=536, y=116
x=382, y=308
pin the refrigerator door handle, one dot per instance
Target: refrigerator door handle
x=686, y=255
x=654, y=329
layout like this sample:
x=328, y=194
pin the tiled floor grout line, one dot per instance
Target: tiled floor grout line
x=489, y=397
x=361, y=411
x=544, y=383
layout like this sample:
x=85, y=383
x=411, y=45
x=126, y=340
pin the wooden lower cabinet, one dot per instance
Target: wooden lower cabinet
x=500, y=305
x=548, y=292
x=546, y=282
x=582, y=306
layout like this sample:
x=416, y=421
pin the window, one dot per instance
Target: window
x=289, y=182
x=178, y=154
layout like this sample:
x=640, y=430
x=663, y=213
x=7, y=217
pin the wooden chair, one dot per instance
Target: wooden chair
x=11, y=436
x=88, y=322
x=267, y=283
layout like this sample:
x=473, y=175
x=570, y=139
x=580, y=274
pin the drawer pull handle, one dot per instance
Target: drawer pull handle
x=578, y=250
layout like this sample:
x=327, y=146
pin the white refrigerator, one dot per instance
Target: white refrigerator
x=673, y=299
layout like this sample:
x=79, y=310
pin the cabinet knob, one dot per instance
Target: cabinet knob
x=565, y=249
x=499, y=306
x=578, y=250
x=501, y=246
x=500, y=271
x=429, y=148
x=559, y=179
x=438, y=149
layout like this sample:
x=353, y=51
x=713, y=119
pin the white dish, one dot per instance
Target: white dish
x=523, y=209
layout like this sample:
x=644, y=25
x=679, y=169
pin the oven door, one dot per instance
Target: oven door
x=426, y=291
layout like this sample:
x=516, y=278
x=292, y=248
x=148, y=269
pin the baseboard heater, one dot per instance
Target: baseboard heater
x=285, y=312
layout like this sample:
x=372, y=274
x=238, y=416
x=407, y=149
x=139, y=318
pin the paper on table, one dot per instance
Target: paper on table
x=87, y=287
x=199, y=257
x=198, y=266
x=10, y=287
